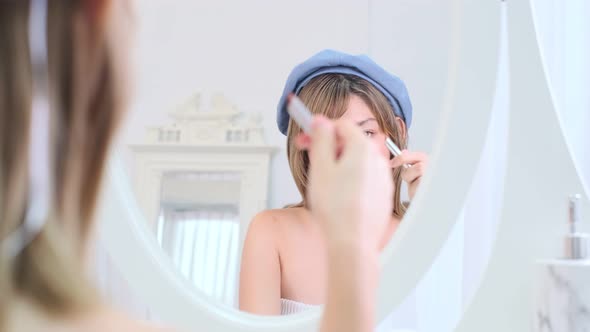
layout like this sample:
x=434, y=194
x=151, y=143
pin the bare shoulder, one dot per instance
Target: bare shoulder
x=283, y=214
x=267, y=242
x=276, y=219
x=272, y=228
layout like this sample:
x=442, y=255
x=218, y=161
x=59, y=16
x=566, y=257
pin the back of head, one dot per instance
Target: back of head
x=85, y=106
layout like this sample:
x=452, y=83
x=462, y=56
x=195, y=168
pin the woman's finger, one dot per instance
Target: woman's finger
x=323, y=143
x=411, y=174
x=352, y=144
x=409, y=157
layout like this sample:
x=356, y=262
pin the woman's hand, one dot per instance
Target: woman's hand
x=350, y=191
x=411, y=175
x=350, y=188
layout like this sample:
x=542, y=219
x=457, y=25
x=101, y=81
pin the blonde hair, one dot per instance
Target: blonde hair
x=328, y=94
x=86, y=103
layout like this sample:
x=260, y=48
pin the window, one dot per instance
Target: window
x=199, y=228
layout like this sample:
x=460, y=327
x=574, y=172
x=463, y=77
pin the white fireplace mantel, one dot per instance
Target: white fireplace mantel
x=251, y=162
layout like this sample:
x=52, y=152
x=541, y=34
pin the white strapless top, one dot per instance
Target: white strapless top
x=292, y=307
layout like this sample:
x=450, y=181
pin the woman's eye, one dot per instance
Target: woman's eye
x=369, y=133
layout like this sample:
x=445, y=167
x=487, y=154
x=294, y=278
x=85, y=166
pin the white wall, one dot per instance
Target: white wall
x=398, y=40
x=244, y=49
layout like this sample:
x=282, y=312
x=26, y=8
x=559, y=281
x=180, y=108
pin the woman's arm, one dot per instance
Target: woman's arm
x=352, y=280
x=260, y=274
x=351, y=194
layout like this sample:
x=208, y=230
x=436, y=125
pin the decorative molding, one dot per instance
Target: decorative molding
x=228, y=141
x=219, y=124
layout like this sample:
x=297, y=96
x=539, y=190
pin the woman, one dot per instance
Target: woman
x=284, y=259
x=65, y=103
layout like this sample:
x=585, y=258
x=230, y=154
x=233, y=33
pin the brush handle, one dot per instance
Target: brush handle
x=299, y=113
x=395, y=150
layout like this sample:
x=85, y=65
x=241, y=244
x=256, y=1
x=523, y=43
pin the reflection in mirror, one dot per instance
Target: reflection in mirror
x=198, y=179
x=209, y=165
x=198, y=226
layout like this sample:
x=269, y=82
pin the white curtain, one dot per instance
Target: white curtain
x=564, y=32
x=203, y=245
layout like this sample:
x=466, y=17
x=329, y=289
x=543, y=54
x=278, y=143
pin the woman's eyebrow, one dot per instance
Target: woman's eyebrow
x=360, y=123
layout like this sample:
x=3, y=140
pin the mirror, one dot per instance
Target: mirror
x=189, y=79
x=206, y=154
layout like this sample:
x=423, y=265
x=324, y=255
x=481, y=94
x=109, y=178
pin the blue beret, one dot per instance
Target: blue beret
x=334, y=62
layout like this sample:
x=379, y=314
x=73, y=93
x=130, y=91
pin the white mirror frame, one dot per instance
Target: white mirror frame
x=466, y=114
x=540, y=175
x=468, y=101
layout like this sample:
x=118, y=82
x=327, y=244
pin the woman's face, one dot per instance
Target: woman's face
x=360, y=113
